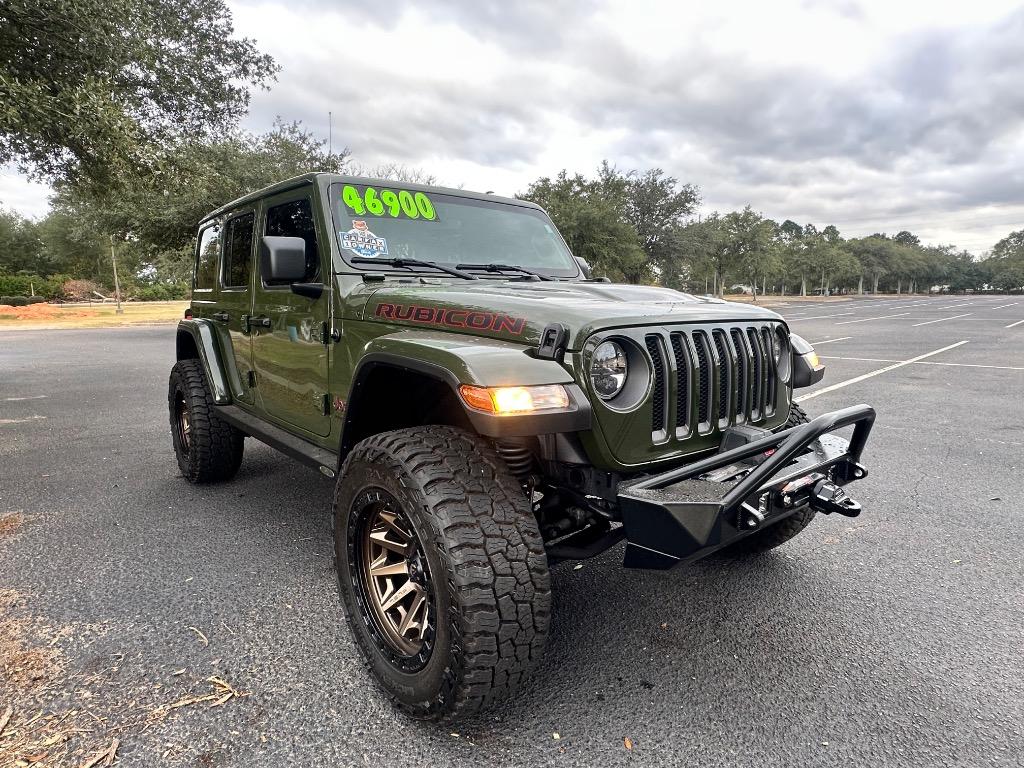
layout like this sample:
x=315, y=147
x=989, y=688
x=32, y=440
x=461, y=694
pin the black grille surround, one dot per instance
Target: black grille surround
x=717, y=376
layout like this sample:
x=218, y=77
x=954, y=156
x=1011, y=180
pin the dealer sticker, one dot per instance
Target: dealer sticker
x=361, y=241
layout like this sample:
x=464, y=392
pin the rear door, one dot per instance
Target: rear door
x=288, y=350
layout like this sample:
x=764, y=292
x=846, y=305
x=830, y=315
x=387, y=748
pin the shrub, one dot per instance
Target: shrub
x=14, y=301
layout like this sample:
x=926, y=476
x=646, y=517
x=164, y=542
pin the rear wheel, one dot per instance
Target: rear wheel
x=208, y=449
x=442, y=570
x=785, y=529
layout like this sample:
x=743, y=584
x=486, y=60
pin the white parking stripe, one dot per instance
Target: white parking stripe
x=1003, y=306
x=942, y=319
x=866, y=319
x=926, y=362
x=1013, y=324
x=880, y=371
x=820, y=317
x=829, y=341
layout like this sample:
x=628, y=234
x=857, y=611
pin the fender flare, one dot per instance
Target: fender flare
x=455, y=361
x=204, y=341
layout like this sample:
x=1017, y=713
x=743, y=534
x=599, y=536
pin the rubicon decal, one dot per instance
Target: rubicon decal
x=453, y=318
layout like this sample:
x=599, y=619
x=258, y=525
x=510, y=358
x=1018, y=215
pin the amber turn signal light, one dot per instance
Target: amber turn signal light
x=511, y=401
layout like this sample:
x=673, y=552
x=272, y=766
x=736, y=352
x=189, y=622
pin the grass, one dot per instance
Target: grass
x=55, y=316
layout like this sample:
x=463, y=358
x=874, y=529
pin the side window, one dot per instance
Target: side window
x=295, y=219
x=206, y=258
x=238, y=251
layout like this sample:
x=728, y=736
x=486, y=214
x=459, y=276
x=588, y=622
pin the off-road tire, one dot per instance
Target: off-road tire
x=214, y=448
x=486, y=566
x=785, y=529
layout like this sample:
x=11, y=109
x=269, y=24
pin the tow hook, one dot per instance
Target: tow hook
x=827, y=497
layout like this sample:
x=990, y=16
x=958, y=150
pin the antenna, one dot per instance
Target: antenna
x=330, y=133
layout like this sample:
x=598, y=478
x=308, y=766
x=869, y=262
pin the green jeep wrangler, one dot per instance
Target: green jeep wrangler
x=488, y=410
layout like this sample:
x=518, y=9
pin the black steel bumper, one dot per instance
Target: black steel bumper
x=687, y=513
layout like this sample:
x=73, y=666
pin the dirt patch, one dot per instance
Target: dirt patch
x=42, y=312
x=10, y=523
x=58, y=713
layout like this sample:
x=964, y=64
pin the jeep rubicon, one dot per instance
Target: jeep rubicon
x=488, y=409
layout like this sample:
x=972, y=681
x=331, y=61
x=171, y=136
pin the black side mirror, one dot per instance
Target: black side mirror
x=585, y=267
x=282, y=259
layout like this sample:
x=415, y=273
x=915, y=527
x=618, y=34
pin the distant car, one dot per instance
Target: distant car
x=487, y=411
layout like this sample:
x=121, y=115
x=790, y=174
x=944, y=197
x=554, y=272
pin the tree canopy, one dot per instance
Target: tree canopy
x=94, y=87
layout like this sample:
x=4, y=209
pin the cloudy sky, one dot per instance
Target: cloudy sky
x=870, y=115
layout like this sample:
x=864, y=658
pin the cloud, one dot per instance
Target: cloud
x=871, y=115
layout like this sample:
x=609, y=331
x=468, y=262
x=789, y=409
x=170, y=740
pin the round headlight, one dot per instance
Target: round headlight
x=608, y=370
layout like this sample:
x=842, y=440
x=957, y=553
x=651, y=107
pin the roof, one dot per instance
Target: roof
x=331, y=178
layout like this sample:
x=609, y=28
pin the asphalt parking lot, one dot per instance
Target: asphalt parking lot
x=891, y=639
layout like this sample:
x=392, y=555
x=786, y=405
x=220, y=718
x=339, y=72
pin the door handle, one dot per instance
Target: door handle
x=221, y=317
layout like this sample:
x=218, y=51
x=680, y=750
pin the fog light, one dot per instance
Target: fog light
x=510, y=401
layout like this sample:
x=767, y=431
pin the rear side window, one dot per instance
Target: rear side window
x=206, y=258
x=238, y=251
x=295, y=219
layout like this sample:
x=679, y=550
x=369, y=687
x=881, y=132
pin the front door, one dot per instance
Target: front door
x=287, y=330
x=235, y=301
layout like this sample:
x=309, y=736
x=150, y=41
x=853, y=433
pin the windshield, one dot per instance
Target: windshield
x=393, y=223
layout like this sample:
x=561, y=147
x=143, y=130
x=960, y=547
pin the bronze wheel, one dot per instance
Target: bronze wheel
x=183, y=421
x=394, y=579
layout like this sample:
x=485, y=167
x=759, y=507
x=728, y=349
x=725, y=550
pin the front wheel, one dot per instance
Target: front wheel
x=441, y=568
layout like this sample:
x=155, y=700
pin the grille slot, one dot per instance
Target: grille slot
x=742, y=378
x=658, y=427
x=769, y=403
x=700, y=343
x=682, y=382
x=724, y=378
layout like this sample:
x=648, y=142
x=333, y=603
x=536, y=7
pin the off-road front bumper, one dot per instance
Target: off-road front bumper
x=687, y=513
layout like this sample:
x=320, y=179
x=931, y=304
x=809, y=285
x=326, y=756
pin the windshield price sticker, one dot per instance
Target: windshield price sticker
x=395, y=204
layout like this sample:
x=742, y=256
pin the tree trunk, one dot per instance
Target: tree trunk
x=860, y=286
x=803, y=285
x=823, y=282
x=875, y=289
x=783, y=287
x=899, y=286
x=764, y=285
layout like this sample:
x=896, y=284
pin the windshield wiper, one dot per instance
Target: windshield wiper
x=400, y=263
x=504, y=268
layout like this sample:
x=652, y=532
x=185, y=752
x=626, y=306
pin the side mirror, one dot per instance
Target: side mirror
x=585, y=267
x=282, y=259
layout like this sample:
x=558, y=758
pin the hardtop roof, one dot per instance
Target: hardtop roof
x=330, y=178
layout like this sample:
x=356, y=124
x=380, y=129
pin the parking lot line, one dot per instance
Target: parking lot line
x=829, y=341
x=866, y=319
x=1003, y=306
x=924, y=362
x=1013, y=324
x=821, y=317
x=879, y=372
x=942, y=319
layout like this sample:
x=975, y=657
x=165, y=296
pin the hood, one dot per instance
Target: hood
x=519, y=311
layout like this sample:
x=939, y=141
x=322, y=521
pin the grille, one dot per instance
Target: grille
x=721, y=376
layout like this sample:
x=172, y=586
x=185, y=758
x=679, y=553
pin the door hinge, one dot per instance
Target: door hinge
x=328, y=334
x=251, y=376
